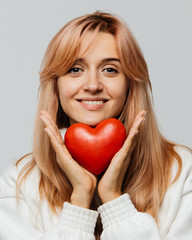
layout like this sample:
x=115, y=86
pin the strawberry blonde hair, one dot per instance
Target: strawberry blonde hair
x=149, y=173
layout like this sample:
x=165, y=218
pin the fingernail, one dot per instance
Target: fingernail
x=46, y=130
x=135, y=133
x=143, y=120
x=144, y=114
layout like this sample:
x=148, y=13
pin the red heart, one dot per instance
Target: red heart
x=94, y=148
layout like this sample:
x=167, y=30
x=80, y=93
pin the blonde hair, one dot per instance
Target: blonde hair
x=149, y=173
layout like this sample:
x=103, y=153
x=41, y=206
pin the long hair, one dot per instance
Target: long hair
x=149, y=173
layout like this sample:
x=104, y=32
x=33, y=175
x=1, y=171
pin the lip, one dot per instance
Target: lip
x=92, y=106
x=92, y=99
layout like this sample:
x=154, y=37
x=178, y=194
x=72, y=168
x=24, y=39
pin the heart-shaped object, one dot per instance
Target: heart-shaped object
x=94, y=147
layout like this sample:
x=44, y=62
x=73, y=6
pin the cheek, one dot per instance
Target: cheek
x=118, y=90
x=65, y=94
x=66, y=89
x=120, y=95
x=124, y=88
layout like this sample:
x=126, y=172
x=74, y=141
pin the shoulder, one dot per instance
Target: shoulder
x=9, y=178
x=185, y=177
x=184, y=152
x=186, y=157
x=179, y=193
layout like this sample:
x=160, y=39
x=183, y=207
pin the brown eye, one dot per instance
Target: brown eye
x=75, y=70
x=110, y=70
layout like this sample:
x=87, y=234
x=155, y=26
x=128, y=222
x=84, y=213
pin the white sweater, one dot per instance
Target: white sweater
x=120, y=219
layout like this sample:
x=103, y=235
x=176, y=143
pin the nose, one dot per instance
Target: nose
x=93, y=83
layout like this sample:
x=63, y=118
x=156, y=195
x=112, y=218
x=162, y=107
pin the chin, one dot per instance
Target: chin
x=92, y=121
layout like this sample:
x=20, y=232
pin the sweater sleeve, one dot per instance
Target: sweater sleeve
x=24, y=219
x=121, y=220
x=74, y=223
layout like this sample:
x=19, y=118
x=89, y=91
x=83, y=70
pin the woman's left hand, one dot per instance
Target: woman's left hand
x=109, y=187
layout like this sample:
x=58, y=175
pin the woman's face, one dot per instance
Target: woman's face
x=95, y=88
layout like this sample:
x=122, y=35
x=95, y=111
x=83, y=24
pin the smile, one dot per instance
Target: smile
x=93, y=104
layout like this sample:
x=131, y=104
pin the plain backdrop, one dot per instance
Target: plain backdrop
x=162, y=28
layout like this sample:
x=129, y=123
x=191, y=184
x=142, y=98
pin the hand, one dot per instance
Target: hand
x=83, y=182
x=109, y=186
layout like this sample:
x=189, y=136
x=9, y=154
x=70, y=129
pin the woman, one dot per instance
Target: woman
x=93, y=69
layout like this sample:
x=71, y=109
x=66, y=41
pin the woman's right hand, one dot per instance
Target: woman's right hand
x=83, y=182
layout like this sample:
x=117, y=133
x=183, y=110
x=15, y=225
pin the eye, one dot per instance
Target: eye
x=110, y=70
x=75, y=70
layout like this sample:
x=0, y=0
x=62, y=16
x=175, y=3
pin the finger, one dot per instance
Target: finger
x=50, y=124
x=134, y=129
x=118, y=166
x=67, y=161
x=60, y=149
x=48, y=117
x=136, y=123
x=64, y=158
x=122, y=153
x=142, y=113
x=52, y=137
x=72, y=169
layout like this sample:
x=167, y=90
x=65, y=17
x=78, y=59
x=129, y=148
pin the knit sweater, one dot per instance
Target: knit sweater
x=27, y=220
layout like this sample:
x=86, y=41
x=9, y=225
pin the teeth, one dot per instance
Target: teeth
x=93, y=102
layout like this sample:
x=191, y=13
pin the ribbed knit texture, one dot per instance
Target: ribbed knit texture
x=78, y=218
x=116, y=210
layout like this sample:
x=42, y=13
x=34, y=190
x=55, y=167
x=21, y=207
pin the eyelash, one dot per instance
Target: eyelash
x=111, y=70
x=76, y=70
x=73, y=70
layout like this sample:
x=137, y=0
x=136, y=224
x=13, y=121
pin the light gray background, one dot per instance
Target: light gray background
x=163, y=29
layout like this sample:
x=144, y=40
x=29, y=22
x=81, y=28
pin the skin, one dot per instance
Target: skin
x=93, y=77
x=96, y=75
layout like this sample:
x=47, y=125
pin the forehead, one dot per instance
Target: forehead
x=100, y=44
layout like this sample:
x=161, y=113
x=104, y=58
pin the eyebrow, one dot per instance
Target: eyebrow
x=103, y=60
x=111, y=59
